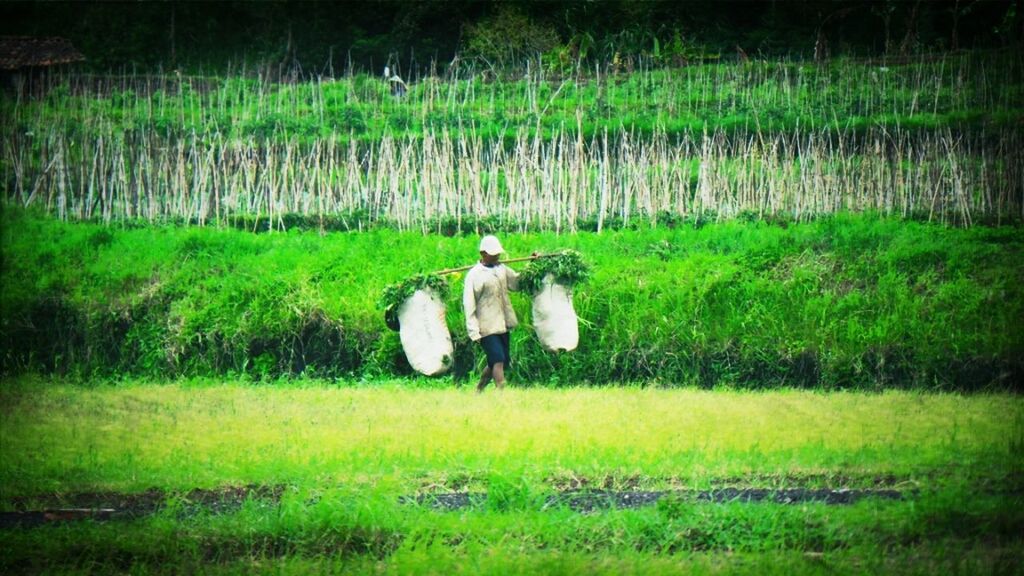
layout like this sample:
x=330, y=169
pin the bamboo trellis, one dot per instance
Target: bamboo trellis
x=557, y=184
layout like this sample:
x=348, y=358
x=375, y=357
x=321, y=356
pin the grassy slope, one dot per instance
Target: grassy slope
x=347, y=453
x=850, y=301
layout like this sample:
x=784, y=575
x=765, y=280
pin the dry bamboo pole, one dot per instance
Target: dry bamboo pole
x=61, y=172
x=578, y=171
x=15, y=159
x=78, y=177
x=266, y=186
x=430, y=156
x=397, y=183
x=319, y=179
x=638, y=200
x=199, y=180
x=104, y=179
x=40, y=180
x=550, y=186
x=905, y=193
x=286, y=169
x=604, y=183
x=380, y=161
x=92, y=180
x=292, y=197
x=510, y=171
x=799, y=162
x=533, y=173
x=350, y=192
x=220, y=183
x=307, y=181
x=463, y=175
x=327, y=203
x=451, y=176
x=251, y=178
x=704, y=184
x=144, y=175
x=956, y=175
x=440, y=173
x=119, y=186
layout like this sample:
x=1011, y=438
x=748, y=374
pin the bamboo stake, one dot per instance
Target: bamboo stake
x=546, y=179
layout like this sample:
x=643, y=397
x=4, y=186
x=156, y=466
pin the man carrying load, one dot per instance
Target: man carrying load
x=489, y=313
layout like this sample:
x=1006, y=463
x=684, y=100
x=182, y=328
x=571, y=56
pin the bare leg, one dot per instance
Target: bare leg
x=499, y=375
x=485, y=379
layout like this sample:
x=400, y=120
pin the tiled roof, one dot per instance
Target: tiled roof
x=22, y=51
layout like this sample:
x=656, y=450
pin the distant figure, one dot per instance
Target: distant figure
x=398, y=88
x=489, y=313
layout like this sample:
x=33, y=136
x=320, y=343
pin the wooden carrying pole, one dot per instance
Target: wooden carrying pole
x=464, y=268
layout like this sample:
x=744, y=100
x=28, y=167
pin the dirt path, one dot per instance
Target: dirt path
x=593, y=500
x=102, y=506
x=106, y=506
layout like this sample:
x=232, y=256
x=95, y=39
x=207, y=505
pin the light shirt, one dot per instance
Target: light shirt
x=486, y=302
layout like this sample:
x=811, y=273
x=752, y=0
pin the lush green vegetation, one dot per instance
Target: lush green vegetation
x=845, y=301
x=345, y=455
x=325, y=38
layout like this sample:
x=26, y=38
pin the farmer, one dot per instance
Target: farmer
x=489, y=313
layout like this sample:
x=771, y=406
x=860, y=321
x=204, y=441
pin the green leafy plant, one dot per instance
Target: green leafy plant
x=567, y=267
x=394, y=294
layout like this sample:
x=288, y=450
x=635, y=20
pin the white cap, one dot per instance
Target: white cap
x=490, y=245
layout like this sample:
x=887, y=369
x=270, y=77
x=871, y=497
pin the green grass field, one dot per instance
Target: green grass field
x=344, y=455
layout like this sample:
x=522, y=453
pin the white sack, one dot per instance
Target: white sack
x=554, y=318
x=424, y=333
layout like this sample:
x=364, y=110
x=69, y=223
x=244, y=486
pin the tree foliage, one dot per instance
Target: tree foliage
x=509, y=37
x=326, y=38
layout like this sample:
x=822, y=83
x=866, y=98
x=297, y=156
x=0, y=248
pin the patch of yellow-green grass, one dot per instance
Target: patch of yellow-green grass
x=59, y=437
x=923, y=560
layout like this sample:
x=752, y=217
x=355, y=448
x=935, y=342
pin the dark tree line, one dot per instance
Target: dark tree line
x=329, y=37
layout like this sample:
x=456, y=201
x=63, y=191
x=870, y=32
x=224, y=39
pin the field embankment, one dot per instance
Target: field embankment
x=840, y=302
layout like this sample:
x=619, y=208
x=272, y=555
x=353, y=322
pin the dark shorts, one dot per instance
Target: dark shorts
x=496, y=348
